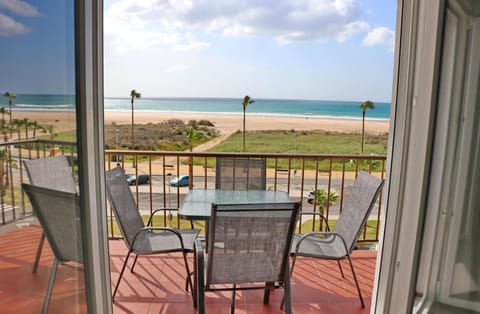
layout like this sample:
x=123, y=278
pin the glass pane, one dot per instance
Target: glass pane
x=459, y=281
x=463, y=271
x=38, y=119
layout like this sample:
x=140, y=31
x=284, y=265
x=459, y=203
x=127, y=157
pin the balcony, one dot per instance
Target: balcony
x=326, y=291
x=158, y=283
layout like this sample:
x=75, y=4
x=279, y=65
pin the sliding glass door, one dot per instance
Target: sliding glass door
x=51, y=105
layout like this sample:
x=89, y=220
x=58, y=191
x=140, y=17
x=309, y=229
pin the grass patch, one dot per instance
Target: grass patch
x=306, y=142
x=170, y=135
x=17, y=195
x=372, y=225
x=306, y=226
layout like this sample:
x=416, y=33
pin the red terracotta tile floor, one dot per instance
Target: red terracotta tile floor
x=157, y=286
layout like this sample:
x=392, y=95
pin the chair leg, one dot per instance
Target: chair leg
x=356, y=281
x=287, y=294
x=121, y=274
x=266, y=294
x=199, y=278
x=232, y=304
x=51, y=281
x=294, y=258
x=340, y=267
x=189, y=279
x=39, y=253
x=134, y=263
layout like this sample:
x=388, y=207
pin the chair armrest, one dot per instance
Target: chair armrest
x=158, y=210
x=198, y=248
x=199, y=275
x=167, y=229
x=322, y=217
x=321, y=233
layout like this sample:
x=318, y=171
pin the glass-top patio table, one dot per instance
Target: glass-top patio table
x=197, y=204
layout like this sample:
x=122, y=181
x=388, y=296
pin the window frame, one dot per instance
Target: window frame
x=90, y=141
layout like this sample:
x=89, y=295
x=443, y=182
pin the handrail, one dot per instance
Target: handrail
x=299, y=174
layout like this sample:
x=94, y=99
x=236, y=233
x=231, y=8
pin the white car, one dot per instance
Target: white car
x=311, y=197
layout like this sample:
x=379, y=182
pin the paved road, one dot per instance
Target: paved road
x=171, y=199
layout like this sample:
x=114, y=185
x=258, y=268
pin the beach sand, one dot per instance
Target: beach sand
x=226, y=124
x=232, y=123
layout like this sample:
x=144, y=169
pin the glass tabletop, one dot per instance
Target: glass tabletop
x=198, y=202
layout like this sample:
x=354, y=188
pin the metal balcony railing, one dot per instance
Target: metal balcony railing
x=297, y=174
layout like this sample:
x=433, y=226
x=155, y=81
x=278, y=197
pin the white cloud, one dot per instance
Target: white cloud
x=10, y=27
x=140, y=24
x=191, y=43
x=153, y=21
x=380, y=36
x=19, y=7
x=177, y=68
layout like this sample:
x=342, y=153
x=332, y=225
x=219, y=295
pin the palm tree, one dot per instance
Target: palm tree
x=34, y=125
x=26, y=125
x=16, y=126
x=4, y=129
x=365, y=106
x=50, y=129
x=325, y=199
x=191, y=134
x=10, y=97
x=133, y=94
x=246, y=101
x=3, y=112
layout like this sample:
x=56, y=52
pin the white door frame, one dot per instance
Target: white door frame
x=414, y=99
x=90, y=138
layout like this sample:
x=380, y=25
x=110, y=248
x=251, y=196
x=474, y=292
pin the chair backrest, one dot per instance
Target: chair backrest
x=51, y=172
x=59, y=214
x=250, y=242
x=240, y=174
x=357, y=207
x=123, y=204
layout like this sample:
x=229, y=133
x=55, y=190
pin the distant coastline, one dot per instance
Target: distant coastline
x=308, y=109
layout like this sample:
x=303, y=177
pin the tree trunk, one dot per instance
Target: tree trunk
x=133, y=135
x=363, y=128
x=243, y=129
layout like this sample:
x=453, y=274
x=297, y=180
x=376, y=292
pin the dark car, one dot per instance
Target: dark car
x=180, y=181
x=142, y=178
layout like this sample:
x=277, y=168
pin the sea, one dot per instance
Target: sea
x=227, y=106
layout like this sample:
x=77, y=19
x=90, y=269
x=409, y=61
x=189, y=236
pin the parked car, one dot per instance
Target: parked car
x=180, y=181
x=142, y=178
x=311, y=197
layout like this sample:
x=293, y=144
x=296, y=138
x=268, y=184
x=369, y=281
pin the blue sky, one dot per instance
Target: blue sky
x=306, y=49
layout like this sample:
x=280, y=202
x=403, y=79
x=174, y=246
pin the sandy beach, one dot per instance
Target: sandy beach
x=226, y=124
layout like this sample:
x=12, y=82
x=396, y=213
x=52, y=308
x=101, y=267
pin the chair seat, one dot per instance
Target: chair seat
x=164, y=242
x=337, y=245
x=321, y=247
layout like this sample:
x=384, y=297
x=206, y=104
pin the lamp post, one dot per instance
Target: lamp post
x=170, y=215
x=117, y=132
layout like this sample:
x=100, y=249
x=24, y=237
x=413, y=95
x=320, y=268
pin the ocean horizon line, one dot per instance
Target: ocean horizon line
x=266, y=114
x=319, y=109
x=213, y=98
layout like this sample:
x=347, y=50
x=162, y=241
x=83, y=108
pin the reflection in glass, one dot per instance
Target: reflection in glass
x=37, y=121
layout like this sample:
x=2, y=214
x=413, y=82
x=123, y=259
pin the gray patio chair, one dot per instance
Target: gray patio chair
x=240, y=174
x=247, y=244
x=338, y=244
x=141, y=239
x=50, y=172
x=59, y=214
